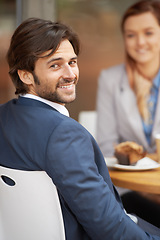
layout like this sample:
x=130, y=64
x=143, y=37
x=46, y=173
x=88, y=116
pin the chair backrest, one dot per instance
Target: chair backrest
x=30, y=209
x=88, y=120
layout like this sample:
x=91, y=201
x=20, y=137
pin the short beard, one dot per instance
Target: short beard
x=36, y=79
x=51, y=96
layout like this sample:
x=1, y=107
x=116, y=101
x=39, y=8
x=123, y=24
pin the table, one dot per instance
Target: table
x=142, y=181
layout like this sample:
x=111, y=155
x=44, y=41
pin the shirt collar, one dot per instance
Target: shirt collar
x=60, y=108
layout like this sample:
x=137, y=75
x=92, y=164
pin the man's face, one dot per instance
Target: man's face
x=57, y=75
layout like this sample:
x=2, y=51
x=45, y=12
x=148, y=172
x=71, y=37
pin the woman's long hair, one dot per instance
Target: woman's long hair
x=138, y=82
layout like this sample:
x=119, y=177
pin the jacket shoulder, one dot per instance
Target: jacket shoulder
x=111, y=77
x=113, y=71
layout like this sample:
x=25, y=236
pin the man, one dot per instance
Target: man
x=36, y=134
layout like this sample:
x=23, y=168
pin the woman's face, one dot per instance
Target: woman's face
x=142, y=38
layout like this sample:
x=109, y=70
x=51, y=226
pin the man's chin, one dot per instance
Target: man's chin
x=66, y=100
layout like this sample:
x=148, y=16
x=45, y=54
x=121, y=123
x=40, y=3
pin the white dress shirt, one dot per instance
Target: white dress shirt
x=59, y=107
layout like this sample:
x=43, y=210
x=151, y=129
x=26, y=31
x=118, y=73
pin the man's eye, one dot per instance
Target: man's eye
x=54, y=66
x=73, y=62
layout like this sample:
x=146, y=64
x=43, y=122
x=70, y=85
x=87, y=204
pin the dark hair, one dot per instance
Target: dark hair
x=30, y=40
x=152, y=6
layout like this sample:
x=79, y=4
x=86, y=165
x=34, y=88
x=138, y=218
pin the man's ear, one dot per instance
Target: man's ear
x=26, y=77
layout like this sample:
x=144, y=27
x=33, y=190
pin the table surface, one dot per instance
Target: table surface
x=142, y=181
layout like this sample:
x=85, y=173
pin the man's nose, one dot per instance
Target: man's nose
x=68, y=72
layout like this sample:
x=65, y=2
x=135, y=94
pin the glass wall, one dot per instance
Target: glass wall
x=7, y=25
x=98, y=24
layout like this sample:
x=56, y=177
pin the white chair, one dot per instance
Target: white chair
x=88, y=120
x=29, y=210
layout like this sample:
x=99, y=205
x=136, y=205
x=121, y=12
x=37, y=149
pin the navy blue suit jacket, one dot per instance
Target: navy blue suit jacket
x=34, y=136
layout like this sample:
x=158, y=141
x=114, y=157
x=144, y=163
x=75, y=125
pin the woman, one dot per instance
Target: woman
x=128, y=100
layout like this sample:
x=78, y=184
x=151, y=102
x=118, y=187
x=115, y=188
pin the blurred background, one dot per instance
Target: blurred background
x=97, y=23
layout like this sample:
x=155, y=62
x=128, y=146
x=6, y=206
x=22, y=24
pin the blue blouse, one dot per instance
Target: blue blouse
x=152, y=103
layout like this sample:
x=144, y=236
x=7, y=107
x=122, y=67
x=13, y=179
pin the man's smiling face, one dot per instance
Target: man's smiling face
x=57, y=75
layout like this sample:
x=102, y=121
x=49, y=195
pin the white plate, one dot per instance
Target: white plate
x=143, y=164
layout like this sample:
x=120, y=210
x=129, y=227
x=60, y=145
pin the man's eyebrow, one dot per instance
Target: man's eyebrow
x=58, y=59
x=54, y=59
